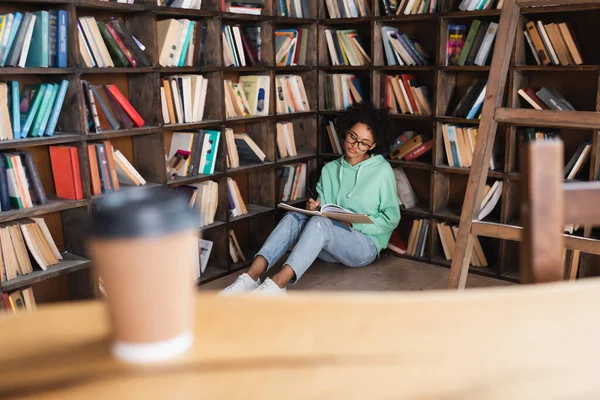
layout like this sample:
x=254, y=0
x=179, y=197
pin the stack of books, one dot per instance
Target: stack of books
x=459, y=144
x=237, y=206
x=241, y=45
x=408, y=7
x=109, y=44
x=286, y=143
x=203, y=196
x=470, y=104
x=347, y=8
x=18, y=300
x=334, y=138
x=341, y=91
x=410, y=146
x=193, y=153
x=183, y=98
x=345, y=47
x=474, y=48
x=401, y=49
x=189, y=4
x=417, y=238
x=404, y=96
x=291, y=94
x=406, y=194
x=552, y=43
x=291, y=181
x=242, y=149
x=294, y=8
x=24, y=241
x=34, y=39
x=109, y=169
x=33, y=111
x=108, y=109
x=181, y=42
x=545, y=99
x=20, y=183
x=248, y=97
x=290, y=46
x=479, y=5
x=448, y=236
x=252, y=7
x=235, y=251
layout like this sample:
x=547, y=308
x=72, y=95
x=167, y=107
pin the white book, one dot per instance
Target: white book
x=165, y=108
x=548, y=43
x=332, y=211
x=186, y=85
x=238, y=44
x=93, y=25
x=406, y=194
x=129, y=167
x=185, y=24
x=175, y=93
x=86, y=53
x=486, y=45
x=202, y=105
x=204, y=248
x=27, y=43
x=490, y=200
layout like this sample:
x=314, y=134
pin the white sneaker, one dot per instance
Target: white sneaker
x=243, y=284
x=269, y=288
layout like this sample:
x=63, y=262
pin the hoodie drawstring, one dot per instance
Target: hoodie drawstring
x=340, y=178
x=351, y=192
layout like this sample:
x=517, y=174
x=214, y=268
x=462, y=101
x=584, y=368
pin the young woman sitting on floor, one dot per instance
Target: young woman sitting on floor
x=360, y=181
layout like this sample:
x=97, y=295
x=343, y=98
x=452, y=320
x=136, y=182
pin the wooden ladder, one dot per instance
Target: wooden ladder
x=491, y=115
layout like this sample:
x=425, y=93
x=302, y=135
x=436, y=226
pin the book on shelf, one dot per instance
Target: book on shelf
x=108, y=109
x=417, y=238
x=291, y=46
x=237, y=206
x=235, y=251
x=459, y=145
x=181, y=42
x=406, y=195
x=108, y=43
x=34, y=39
x=577, y=160
x=545, y=99
x=479, y=5
x=203, y=196
x=251, y=7
x=183, y=98
x=410, y=7
x=553, y=43
x=396, y=243
x=334, y=138
x=204, y=249
x=291, y=181
x=26, y=244
x=448, y=236
x=20, y=183
x=120, y=1
x=348, y=8
x=17, y=301
x=200, y=148
x=403, y=95
x=66, y=172
x=109, y=169
x=187, y=4
x=286, y=143
x=401, y=49
x=238, y=49
x=346, y=47
x=471, y=103
x=341, y=91
x=491, y=196
x=331, y=211
x=291, y=94
x=472, y=48
x=242, y=150
x=414, y=147
x=33, y=111
x=293, y=8
x=249, y=97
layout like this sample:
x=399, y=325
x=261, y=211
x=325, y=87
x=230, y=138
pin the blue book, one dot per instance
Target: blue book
x=38, y=50
x=212, y=138
x=13, y=33
x=61, y=48
x=186, y=44
x=33, y=109
x=47, y=110
x=4, y=196
x=15, y=108
x=60, y=98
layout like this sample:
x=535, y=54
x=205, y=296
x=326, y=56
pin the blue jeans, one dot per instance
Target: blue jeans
x=316, y=237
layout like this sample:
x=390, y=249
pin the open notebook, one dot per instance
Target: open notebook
x=332, y=211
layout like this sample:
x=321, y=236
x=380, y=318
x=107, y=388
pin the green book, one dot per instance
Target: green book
x=46, y=110
x=13, y=188
x=469, y=42
x=113, y=48
x=33, y=110
x=39, y=118
x=186, y=44
x=38, y=50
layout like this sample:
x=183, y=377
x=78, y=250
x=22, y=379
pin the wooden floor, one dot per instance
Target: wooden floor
x=389, y=273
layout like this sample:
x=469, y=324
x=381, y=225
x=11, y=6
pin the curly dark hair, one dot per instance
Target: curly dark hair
x=377, y=119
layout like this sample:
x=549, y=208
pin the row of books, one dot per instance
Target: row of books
x=26, y=243
x=345, y=47
x=402, y=94
x=291, y=181
x=291, y=94
x=193, y=153
x=241, y=45
x=204, y=197
x=552, y=43
x=109, y=168
x=189, y=4
x=181, y=42
x=108, y=109
x=479, y=5
x=108, y=44
x=290, y=46
x=545, y=99
x=448, y=236
x=341, y=91
x=31, y=112
x=237, y=206
x=459, y=145
x=417, y=238
x=242, y=149
x=248, y=97
x=294, y=8
x=183, y=98
x=286, y=143
x=334, y=138
x=20, y=183
x=251, y=7
x=17, y=301
x=401, y=49
x=410, y=146
x=347, y=8
x=471, y=103
x=474, y=48
x=410, y=7
x=34, y=39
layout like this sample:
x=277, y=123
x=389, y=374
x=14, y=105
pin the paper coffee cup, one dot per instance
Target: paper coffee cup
x=144, y=244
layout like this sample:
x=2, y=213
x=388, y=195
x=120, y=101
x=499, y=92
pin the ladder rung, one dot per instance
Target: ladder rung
x=513, y=232
x=548, y=118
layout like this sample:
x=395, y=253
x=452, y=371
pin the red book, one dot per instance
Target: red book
x=121, y=45
x=6, y=300
x=410, y=81
x=425, y=147
x=396, y=244
x=123, y=102
x=66, y=172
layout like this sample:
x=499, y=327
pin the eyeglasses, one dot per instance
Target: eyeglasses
x=362, y=146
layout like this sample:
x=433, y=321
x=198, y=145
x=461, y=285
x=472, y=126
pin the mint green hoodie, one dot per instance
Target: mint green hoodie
x=368, y=187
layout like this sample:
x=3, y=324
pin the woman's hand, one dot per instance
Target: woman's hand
x=313, y=205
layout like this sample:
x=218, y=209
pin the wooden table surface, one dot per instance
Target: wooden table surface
x=525, y=342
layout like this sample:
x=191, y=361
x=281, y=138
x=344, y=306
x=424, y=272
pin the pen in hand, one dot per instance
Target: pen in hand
x=313, y=205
